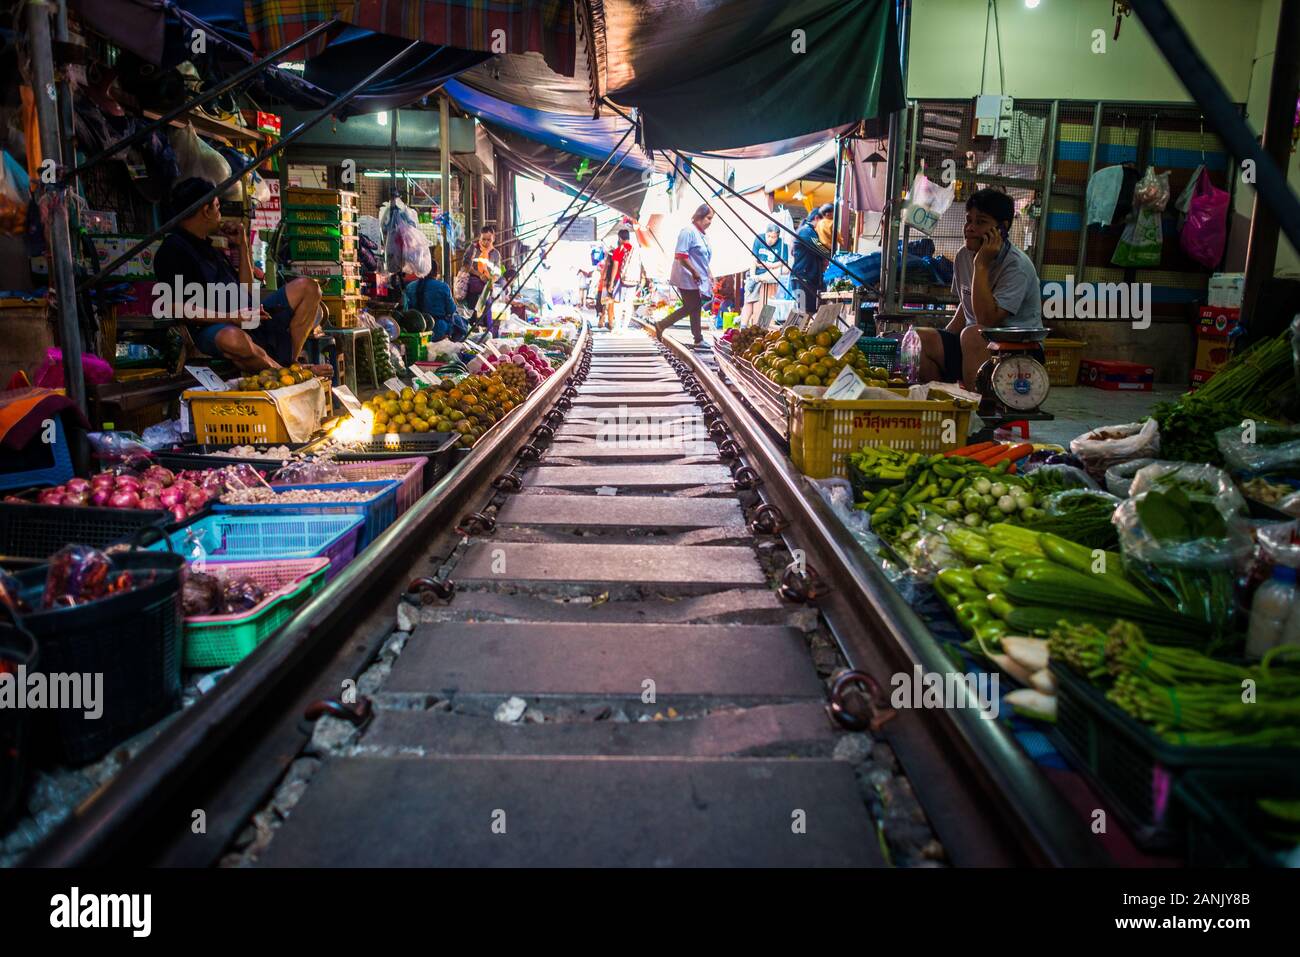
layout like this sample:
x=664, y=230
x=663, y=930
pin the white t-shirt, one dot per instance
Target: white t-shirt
x=692, y=244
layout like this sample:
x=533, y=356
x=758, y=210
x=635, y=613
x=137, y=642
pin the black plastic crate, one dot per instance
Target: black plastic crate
x=1135, y=769
x=1225, y=825
x=200, y=456
x=438, y=446
x=38, y=531
x=133, y=639
x=17, y=649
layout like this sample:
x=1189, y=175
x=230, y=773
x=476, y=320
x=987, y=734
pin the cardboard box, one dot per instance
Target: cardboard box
x=1116, y=376
x=1225, y=289
x=1218, y=322
x=1212, y=354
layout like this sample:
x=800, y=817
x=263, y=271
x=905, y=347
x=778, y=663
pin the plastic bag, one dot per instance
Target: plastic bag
x=1140, y=243
x=1207, y=479
x=406, y=250
x=164, y=435
x=11, y=593
x=1047, y=477
x=1206, y=228
x=197, y=158
x=1185, y=197
x=49, y=374
x=80, y=574
x=123, y=451
x=1103, y=448
x=1152, y=191
x=1060, y=503
x=1273, y=446
x=1119, y=478
x=310, y=471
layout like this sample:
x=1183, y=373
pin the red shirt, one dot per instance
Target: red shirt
x=619, y=256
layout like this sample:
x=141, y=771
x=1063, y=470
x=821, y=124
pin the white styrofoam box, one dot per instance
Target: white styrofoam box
x=1225, y=289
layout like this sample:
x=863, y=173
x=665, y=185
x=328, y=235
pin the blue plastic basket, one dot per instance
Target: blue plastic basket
x=17, y=470
x=379, y=511
x=246, y=538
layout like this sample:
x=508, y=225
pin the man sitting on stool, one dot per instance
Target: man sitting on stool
x=287, y=316
x=996, y=286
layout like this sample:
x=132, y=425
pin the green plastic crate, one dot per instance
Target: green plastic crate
x=217, y=641
x=322, y=215
x=324, y=230
x=417, y=345
x=322, y=247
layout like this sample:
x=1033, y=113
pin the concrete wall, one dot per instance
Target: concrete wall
x=1047, y=52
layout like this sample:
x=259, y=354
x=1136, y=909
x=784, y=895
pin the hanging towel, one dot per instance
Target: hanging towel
x=1024, y=147
x=1103, y=195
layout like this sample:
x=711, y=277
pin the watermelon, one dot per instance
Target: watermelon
x=410, y=320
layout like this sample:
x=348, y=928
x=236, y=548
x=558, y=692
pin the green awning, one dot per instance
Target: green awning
x=735, y=74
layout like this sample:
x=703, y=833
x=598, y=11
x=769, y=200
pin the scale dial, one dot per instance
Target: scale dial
x=1020, y=383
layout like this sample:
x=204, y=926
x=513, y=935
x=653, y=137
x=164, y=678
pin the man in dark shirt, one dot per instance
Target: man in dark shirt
x=808, y=267
x=270, y=336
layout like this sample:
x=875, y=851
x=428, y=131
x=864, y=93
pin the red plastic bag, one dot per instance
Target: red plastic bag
x=1206, y=229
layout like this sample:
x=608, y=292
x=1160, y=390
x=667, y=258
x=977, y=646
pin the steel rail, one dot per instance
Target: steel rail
x=965, y=768
x=105, y=823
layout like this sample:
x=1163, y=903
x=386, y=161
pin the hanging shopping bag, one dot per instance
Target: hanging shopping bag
x=926, y=204
x=460, y=286
x=1206, y=229
x=197, y=158
x=1140, y=242
x=1185, y=197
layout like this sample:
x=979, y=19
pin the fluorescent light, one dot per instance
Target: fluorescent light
x=382, y=118
x=387, y=174
x=1031, y=4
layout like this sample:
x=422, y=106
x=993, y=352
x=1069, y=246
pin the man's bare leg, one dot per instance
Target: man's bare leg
x=304, y=298
x=246, y=354
x=931, y=355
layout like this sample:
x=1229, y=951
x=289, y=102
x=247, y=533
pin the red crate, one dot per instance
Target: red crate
x=1116, y=376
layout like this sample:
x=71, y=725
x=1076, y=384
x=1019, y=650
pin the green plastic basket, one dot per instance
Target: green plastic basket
x=880, y=351
x=323, y=230
x=326, y=215
x=417, y=345
x=217, y=641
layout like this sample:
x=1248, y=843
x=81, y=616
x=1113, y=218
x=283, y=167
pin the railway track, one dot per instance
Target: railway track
x=621, y=633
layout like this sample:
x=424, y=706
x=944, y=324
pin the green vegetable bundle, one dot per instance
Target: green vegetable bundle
x=1187, y=697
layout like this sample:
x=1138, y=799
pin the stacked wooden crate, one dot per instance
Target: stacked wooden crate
x=322, y=240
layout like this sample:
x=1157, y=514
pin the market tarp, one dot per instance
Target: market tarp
x=488, y=26
x=578, y=135
x=622, y=190
x=804, y=166
x=715, y=76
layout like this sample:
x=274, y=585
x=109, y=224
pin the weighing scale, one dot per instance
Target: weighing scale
x=1012, y=383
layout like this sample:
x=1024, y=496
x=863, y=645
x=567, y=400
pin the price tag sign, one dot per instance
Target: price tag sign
x=845, y=343
x=825, y=318
x=425, y=375
x=210, y=381
x=847, y=385
x=491, y=349
x=350, y=401
x=918, y=217
x=396, y=384
x=765, y=315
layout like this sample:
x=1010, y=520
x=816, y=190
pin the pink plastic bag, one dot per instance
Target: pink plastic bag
x=49, y=374
x=1206, y=229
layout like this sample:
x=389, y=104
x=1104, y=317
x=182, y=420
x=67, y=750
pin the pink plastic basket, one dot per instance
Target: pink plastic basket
x=409, y=472
x=213, y=641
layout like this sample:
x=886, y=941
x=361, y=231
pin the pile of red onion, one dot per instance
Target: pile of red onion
x=153, y=489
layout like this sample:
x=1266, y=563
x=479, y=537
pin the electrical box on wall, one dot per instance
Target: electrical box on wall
x=993, y=116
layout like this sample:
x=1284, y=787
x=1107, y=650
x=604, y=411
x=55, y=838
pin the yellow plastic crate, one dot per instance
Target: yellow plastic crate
x=1063, y=356
x=305, y=196
x=823, y=432
x=237, y=417
x=344, y=311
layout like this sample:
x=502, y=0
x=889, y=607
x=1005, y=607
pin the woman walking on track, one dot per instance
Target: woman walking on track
x=690, y=274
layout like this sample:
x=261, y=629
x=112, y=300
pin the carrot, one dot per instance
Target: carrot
x=987, y=455
x=1010, y=452
x=968, y=450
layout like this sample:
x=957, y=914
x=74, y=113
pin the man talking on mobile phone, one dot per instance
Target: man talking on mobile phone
x=996, y=286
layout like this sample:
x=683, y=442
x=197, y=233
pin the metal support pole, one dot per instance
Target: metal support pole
x=58, y=239
x=65, y=92
x=1261, y=245
x=444, y=175
x=257, y=161
x=839, y=185
x=1080, y=263
x=1049, y=176
x=912, y=165
x=888, y=255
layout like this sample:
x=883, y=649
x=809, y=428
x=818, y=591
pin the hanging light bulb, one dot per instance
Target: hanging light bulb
x=798, y=196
